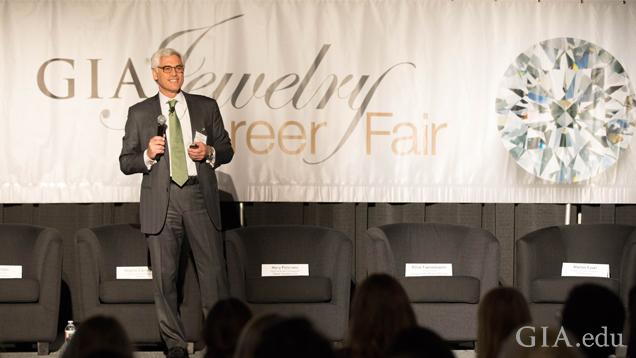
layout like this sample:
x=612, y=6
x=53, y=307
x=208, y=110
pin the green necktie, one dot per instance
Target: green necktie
x=177, y=151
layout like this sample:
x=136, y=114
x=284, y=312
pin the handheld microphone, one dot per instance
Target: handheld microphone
x=161, y=129
x=161, y=125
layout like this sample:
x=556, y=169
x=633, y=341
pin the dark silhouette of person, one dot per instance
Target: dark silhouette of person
x=419, y=342
x=501, y=311
x=99, y=336
x=252, y=334
x=592, y=310
x=380, y=310
x=292, y=338
x=223, y=326
x=631, y=304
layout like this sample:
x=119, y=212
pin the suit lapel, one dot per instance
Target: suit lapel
x=153, y=111
x=156, y=106
x=196, y=115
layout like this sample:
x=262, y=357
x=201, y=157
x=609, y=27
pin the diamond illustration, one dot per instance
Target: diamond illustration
x=565, y=110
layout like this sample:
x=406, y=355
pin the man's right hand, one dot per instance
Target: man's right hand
x=157, y=145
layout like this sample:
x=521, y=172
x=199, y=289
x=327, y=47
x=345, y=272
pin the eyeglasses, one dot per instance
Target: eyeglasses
x=169, y=69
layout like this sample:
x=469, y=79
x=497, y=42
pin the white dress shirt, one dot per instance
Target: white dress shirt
x=181, y=109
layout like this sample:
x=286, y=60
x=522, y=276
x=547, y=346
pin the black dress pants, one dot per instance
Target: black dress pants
x=186, y=217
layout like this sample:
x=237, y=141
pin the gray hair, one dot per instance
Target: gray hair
x=162, y=52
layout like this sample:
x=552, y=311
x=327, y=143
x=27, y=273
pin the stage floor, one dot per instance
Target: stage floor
x=458, y=354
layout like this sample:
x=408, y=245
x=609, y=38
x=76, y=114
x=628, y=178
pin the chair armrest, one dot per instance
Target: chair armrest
x=490, y=270
x=45, y=242
x=88, y=264
x=538, y=254
x=628, y=268
x=237, y=261
x=48, y=267
x=380, y=257
x=341, y=284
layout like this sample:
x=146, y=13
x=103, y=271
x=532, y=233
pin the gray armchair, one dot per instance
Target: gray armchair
x=322, y=297
x=446, y=304
x=541, y=253
x=29, y=306
x=99, y=251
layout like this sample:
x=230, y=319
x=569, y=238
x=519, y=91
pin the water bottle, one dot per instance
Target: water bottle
x=69, y=331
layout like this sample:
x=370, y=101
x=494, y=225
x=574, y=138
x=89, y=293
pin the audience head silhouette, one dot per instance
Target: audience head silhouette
x=534, y=342
x=223, y=325
x=379, y=311
x=99, y=336
x=252, y=334
x=631, y=345
x=292, y=338
x=419, y=342
x=591, y=310
x=500, y=311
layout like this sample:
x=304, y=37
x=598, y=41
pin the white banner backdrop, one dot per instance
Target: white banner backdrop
x=329, y=101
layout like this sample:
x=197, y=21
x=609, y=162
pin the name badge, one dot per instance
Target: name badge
x=418, y=270
x=577, y=269
x=10, y=271
x=268, y=270
x=200, y=137
x=133, y=273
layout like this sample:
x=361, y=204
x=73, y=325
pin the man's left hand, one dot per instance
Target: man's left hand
x=198, y=153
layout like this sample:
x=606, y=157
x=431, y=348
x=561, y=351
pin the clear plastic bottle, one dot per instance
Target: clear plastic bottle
x=69, y=331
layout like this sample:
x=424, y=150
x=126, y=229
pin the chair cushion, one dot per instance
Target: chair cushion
x=19, y=290
x=448, y=289
x=126, y=291
x=555, y=289
x=294, y=289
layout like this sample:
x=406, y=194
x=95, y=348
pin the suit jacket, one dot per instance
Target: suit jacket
x=141, y=125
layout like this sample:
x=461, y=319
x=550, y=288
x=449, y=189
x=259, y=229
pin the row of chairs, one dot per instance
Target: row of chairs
x=447, y=304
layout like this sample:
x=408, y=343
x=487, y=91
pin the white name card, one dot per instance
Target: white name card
x=133, y=273
x=10, y=271
x=284, y=270
x=585, y=270
x=417, y=270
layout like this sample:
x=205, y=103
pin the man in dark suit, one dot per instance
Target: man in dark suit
x=179, y=193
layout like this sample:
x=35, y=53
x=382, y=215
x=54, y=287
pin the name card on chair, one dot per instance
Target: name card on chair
x=284, y=270
x=418, y=270
x=133, y=273
x=585, y=270
x=10, y=271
